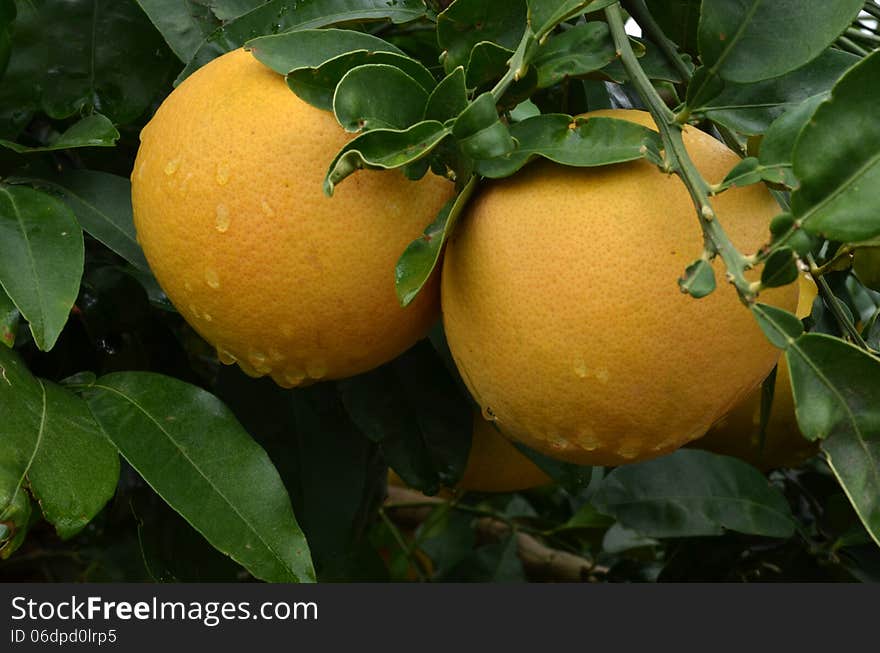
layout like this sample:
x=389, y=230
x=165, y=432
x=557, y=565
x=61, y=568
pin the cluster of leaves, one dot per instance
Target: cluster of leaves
x=469, y=90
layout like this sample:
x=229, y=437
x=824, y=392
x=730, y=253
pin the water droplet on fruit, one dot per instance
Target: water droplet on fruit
x=628, y=451
x=488, y=414
x=222, y=173
x=602, y=374
x=275, y=355
x=212, y=279
x=223, y=220
x=316, y=369
x=187, y=286
x=557, y=443
x=172, y=166
x=226, y=357
x=207, y=317
x=259, y=361
x=195, y=311
x=140, y=170
x=292, y=377
x=268, y=210
x=580, y=367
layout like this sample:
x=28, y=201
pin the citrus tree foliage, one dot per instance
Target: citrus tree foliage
x=128, y=453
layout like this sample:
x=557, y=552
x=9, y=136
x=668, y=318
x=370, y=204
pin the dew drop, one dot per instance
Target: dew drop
x=207, y=317
x=212, y=279
x=223, y=220
x=222, y=174
x=580, y=368
x=603, y=375
x=628, y=451
x=557, y=443
x=195, y=311
x=488, y=414
x=292, y=377
x=172, y=166
x=268, y=210
x=316, y=369
x=226, y=357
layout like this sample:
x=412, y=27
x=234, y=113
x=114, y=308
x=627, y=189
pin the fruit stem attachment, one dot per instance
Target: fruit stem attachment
x=716, y=239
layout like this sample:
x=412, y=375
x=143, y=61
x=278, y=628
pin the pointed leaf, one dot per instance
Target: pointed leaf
x=184, y=24
x=480, y=132
x=698, y=280
x=581, y=142
x=468, y=22
x=780, y=269
x=752, y=40
x=76, y=468
x=41, y=259
x=837, y=160
x=781, y=327
x=449, y=98
x=92, y=131
x=194, y=453
x=691, y=493
x=582, y=49
x=383, y=149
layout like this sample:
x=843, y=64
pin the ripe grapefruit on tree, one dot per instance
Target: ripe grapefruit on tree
x=738, y=433
x=229, y=209
x=563, y=315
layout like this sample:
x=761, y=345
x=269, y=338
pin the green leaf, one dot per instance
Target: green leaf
x=103, y=56
x=358, y=107
x=777, y=146
x=781, y=327
x=692, y=493
x=480, y=132
x=449, y=98
x=780, y=268
x=486, y=63
x=21, y=404
x=75, y=469
x=581, y=142
x=580, y=50
x=751, y=171
x=679, y=20
x=102, y=205
x=28, y=62
x=414, y=409
x=837, y=160
x=8, y=320
x=41, y=259
x=317, y=85
x=92, y=131
x=466, y=23
x=417, y=263
x=836, y=388
x=699, y=279
x=184, y=24
x=383, y=149
x=193, y=452
x=544, y=15
x=751, y=108
x=752, y=40
x=311, y=48
x=653, y=62
x=275, y=16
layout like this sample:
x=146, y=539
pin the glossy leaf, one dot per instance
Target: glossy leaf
x=781, y=327
x=358, y=107
x=466, y=23
x=75, y=469
x=420, y=258
x=571, y=141
x=480, y=132
x=9, y=316
x=752, y=40
x=837, y=160
x=751, y=108
x=751, y=171
x=183, y=23
x=449, y=98
x=698, y=280
x=777, y=146
x=41, y=259
x=679, y=20
x=276, y=16
x=836, y=387
x=311, y=48
x=544, y=15
x=383, y=149
x=691, y=493
x=780, y=268
x=486, y=63
x=414, y=408
x=195, y=455
x=21, y=404
x=580, y=50
x=92, y=131
x=103, y=56
x=317, y=85
x=102, y=205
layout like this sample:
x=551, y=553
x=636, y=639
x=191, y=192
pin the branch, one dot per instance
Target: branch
x=642, y=15
x=539, y=560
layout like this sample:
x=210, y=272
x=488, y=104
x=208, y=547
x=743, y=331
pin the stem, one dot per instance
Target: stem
x=828, y=266
x=716, y=240
x=834, y=304
x=854, y=33
x=639, y=10
x=848, y=45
